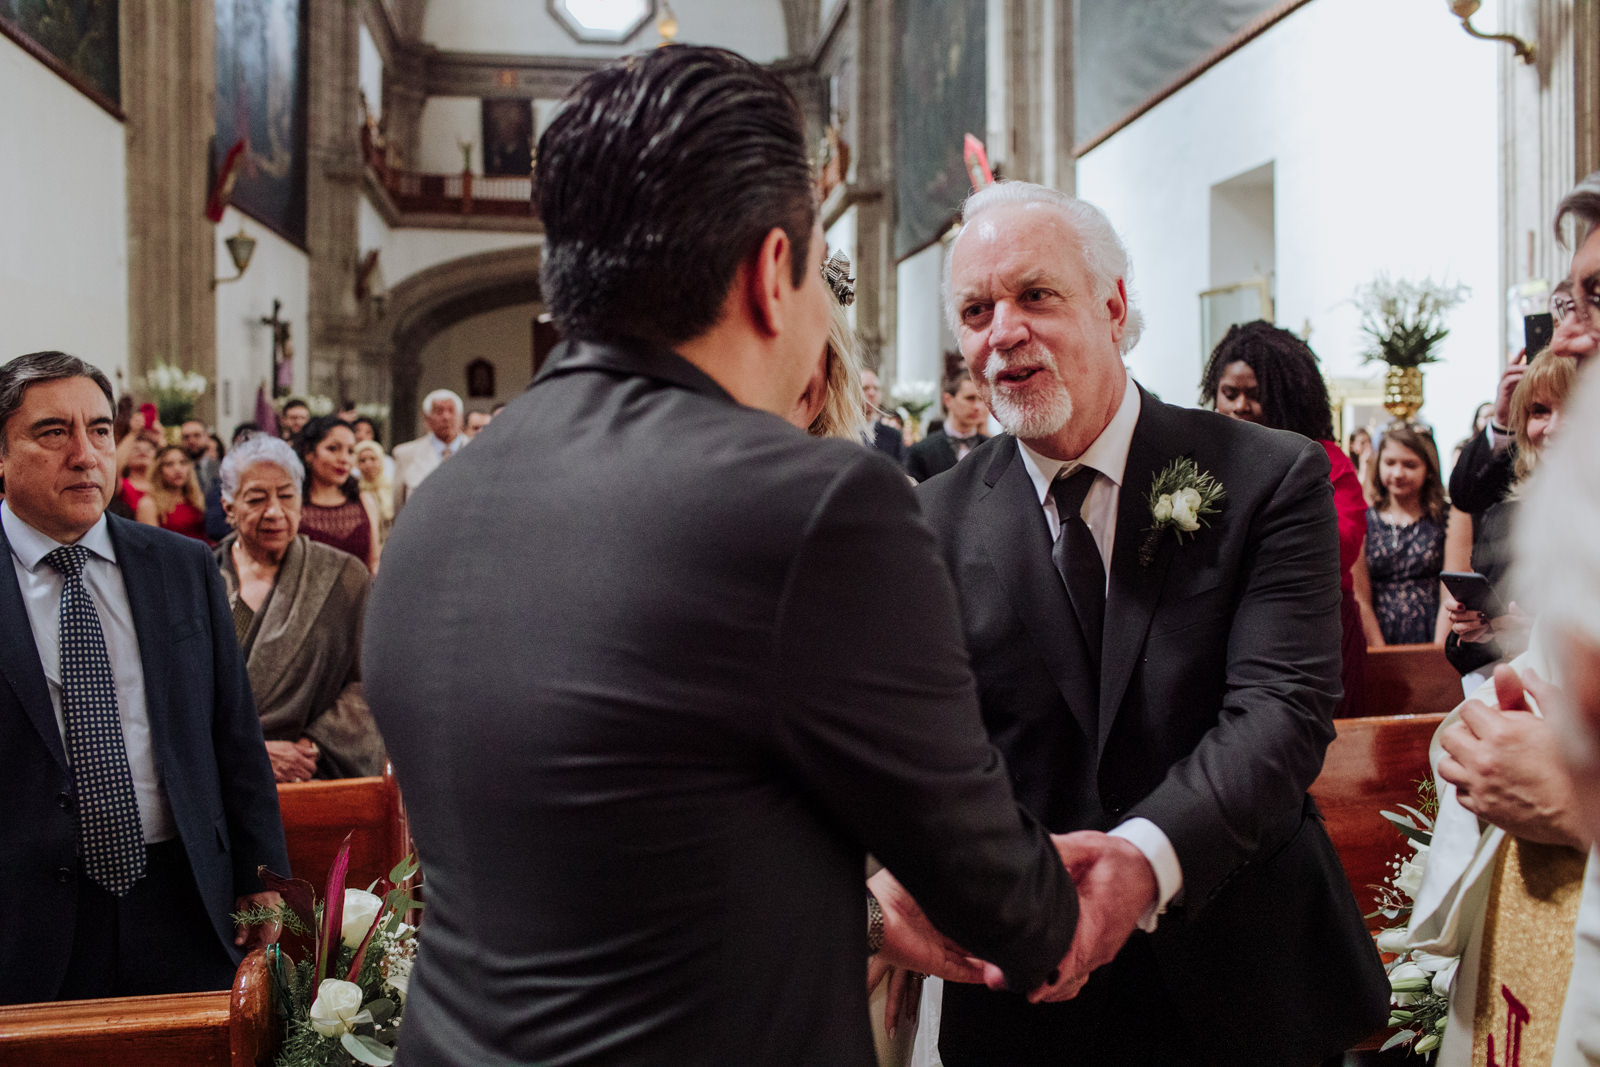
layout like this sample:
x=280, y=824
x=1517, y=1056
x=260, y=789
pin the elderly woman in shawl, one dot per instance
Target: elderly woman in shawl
x=297, y=610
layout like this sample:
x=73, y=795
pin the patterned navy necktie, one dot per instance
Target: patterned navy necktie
x=1077, y=557
x=108, y=811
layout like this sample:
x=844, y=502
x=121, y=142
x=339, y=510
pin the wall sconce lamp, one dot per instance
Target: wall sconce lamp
x=1465, y=9
x=666, y=25
x=241, y=246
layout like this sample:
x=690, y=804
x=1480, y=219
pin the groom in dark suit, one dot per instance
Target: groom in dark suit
x=137, y=796
x=1163, y=702
x=658, y=724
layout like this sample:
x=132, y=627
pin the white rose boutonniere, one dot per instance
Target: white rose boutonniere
x=1182, y=498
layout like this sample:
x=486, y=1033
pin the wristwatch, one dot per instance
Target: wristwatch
x=874, y=924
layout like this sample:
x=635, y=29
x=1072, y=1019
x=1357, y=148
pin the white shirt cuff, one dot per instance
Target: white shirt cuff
x=1149, y=839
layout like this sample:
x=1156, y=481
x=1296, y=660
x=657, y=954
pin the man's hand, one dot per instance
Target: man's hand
x=1502, y=395
x=254, y=937
x=1116, y=886
x=910, y=941
x=292, y=761
x=1506, y=764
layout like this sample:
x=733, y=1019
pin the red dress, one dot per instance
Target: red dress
x=131, y=496
x=345, y=527
x=188, y=520
x=1351, y=505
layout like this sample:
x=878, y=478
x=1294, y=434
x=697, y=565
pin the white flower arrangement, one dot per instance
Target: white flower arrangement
x=1182, y=499
x=175, y=390
x=1420, y=981
x=318, y=404
x=913, y=398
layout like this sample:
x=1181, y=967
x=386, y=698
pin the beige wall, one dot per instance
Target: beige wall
x=504, y=337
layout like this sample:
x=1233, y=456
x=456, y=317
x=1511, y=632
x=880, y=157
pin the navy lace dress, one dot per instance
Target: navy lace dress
x=1404, y=563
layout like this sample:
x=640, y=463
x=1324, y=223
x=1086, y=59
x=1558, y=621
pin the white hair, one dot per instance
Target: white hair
x=259, y=448
x=442, y=394
x=1102, y=250
x=1582, y=205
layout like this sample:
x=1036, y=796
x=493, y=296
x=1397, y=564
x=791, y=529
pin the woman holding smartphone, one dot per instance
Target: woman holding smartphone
x=1475, y=640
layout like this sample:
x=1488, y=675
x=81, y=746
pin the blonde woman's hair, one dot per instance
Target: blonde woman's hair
x=844, y=406
x=1549, y=380
x=167, y=499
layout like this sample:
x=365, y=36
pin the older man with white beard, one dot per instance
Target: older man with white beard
x=1150, y=596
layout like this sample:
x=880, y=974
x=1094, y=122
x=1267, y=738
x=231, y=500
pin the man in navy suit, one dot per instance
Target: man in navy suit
x=138, y=797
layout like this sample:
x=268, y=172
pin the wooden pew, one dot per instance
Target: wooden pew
x=317, y=815
x=1373, y=765
x=1411, y=680
x=227, y=1028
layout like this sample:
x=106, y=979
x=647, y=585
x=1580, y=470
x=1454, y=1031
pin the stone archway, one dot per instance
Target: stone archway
x=435, y=299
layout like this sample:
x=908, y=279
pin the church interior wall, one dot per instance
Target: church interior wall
x=410, y=250
x=922, y=336
x=752, y=27
x=64, y=235
x=1378, y=119
x=278, y=271
x=447, y=121
x=504, y=337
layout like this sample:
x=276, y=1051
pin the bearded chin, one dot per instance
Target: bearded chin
x=1032, y=417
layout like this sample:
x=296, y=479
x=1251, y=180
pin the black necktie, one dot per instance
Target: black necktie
x=108, y=810
x=1077, y=557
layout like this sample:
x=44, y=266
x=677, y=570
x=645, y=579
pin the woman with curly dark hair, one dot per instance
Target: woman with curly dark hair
x=1260, y=373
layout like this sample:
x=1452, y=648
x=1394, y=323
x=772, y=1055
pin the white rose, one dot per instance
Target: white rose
x=1392, y=940
x=360, y=909
x=336, y=1007
x=1163, y=509
x=1192, y=496
x=1183, y=513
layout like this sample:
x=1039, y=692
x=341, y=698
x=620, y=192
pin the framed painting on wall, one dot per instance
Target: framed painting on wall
x=261, y=103
x=508, y=138
x=79, y=41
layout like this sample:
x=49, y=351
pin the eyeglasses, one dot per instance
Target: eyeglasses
x=1563, y=307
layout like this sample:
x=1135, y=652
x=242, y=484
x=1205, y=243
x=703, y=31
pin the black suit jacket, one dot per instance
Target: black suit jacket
x=934, y=454
x=1482, y=476
x=1209, y=717
x=655, y=725
x=889, y=440
x=208, y=751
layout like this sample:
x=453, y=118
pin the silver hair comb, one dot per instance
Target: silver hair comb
x=836, y=272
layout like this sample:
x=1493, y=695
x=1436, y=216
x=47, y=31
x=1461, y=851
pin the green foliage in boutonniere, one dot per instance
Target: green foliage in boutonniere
x=1182, y=498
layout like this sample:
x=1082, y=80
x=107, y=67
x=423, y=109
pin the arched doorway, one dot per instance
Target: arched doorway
x=431, y=301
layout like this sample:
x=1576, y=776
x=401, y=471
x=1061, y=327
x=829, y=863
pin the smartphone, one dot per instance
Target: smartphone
x=1474, y=592
x=1537, y=331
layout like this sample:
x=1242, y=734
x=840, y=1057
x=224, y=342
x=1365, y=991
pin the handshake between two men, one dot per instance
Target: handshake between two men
x=1115, y=887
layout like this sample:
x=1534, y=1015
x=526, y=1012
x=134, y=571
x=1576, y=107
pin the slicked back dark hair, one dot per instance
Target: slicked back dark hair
x=36, y=367
x=1289, y=386
x=663, y=173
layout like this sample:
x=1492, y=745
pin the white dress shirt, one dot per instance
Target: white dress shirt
x=1108, y=456
x=41, y=594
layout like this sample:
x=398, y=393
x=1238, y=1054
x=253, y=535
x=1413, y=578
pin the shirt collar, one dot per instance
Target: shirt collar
x=31, y=547
x=438, y=445
x=1107, y=454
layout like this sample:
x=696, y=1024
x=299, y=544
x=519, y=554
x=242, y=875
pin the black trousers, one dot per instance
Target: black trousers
x=1122, y=1018
x=157, y=939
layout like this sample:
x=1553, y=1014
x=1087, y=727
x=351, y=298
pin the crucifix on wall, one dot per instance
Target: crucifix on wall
x=282, y=351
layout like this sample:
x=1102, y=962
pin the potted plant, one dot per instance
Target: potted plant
x=1405, y=322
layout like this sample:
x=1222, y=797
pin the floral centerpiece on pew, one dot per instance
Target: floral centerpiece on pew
x=1420, y=981
x=343, y=1002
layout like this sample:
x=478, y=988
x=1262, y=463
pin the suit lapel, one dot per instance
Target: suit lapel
x=143, y=576
x=19, y=659
x=1017, y=537
x=1134, y=589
